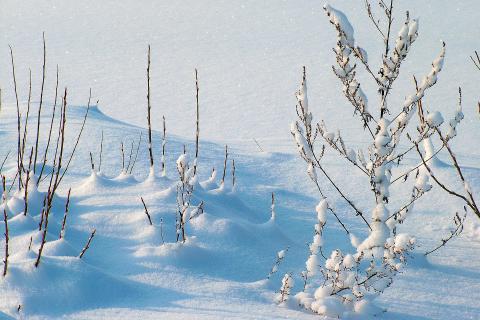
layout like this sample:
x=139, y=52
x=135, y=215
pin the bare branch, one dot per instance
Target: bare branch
x=39, y=116
x=146, y=212
x=88, y=244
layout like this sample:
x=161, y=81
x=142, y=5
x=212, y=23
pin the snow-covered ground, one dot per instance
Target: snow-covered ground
x=249, y=56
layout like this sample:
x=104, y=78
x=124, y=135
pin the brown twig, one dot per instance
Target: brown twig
x=91, y=162
x=224, y=165
x=30, y=243
x=477, y=61
x=146, y=212
x=42, y=213
x=46, y=213
x=100, y=157
x=459, y=228
x=62, y=143
x=198, y=212
x=4, y=160
x=405, y=174
x=44, y=162
x=471, y=203
x=161, y=230
x=19, y=155
x=440, y=184
x=123, y=156
x=164, y=143
x=197, y=132
x=24, y=139
x=64, y=221
x=40, y=104
x=27, y=180
x=88, y=244
x=136, y=153
x=5, y=219
x=258, y=145
x=149, y=107
x=78, y=138
x=233, y=172
x=130, y=157
x=272, y=207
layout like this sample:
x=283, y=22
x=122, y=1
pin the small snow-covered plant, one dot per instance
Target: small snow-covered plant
x=187, y=181
x=280, y=256
x=345, y=283
x=286, y=288
x=184, y=194
x=149, y=108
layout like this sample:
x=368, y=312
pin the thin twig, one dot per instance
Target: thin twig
x=148, y=112
x=101, y=151
x=91, y=162
x=164, y=143
x=27, y=180
x=459, y=223
x=4, y=160
x=224, y=165
x=88, y=244
x=233, y=172
x=123, y=156
x=161, y=230
x=24, y=139
x=18, y=119
x=44, y=162
x=477, y=61
x=78, y=137
x=5, y=220
x=64, y=221
x=258, y=145
x=136, y=153
x=40, y=104
x=197, y=132
x=146, y=212
x=130, y=157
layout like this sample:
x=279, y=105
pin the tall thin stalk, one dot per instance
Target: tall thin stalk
x=224, y=165
x=44, y=162
x=19, y=156
x=149, y=107
x=164, y=143
x=78, y=137
x=5, y=219
x=24, y=139
x=197, y=132
x=27, y=180
x=64, y=221
x=39, y=116
x=100, y=157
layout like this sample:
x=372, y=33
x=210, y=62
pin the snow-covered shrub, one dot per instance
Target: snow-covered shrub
x=285, y=289
x=278, y=261
x=343, y=283
x=187, y=180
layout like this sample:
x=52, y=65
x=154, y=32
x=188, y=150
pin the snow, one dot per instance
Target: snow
x=249, y=55
x=434, y=119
